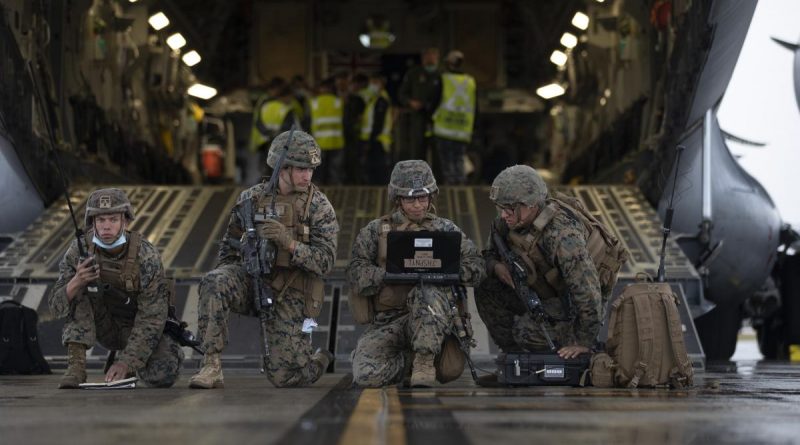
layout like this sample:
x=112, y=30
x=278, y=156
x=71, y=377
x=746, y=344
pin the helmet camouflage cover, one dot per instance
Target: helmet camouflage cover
x=518, y=184
x=106, y=201
x=411, y=178
x=304, y=151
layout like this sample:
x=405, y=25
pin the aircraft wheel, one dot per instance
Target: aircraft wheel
x=770, y=338
x=718, y=330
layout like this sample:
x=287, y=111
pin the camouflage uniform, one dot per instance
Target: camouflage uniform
x=228, y=288
x=383, y=354
x=131, y=322
x=562, y=244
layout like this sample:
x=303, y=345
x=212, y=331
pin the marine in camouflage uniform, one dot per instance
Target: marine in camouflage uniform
x=409, y=320
x=571, y=291
x=129, y=311
x=305, y=238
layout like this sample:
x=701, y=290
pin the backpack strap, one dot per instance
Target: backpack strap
x=130, y=272
x=680, y=375
x=644, y=329
x=30, y=321
x=612, y=342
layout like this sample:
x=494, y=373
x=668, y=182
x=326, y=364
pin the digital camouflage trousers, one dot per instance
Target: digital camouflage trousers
x=228, y=289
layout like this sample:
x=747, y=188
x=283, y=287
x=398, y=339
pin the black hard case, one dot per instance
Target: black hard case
x=542, y=369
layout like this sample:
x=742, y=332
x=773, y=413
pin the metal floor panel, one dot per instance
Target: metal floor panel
x=185, y=223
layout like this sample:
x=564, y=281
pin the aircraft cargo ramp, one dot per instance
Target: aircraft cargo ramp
x=185, y=224
x=744, y=402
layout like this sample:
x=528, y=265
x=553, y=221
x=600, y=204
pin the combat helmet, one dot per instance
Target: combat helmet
x=411, y=178
x=518, y=184
x=304, y=151
x=105, y=201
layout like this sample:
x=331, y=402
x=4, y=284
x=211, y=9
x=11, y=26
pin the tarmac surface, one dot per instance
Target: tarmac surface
x=736, y=402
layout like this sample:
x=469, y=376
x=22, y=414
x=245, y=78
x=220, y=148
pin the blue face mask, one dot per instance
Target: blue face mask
x=120, y=241
x=431, y=68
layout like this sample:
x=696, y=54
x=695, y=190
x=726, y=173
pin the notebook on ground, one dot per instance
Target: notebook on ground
x=433, y=257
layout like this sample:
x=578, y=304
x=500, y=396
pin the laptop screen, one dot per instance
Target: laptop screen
x=432, y=256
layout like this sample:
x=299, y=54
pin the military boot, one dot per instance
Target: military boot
x=423, y=374
x=76, y=367
x=323, y=357
x=210, y=375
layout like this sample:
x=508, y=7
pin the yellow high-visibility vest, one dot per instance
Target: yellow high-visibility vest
x=327, y=112
x=268, y=122
x=367, y=119
x=455, y=116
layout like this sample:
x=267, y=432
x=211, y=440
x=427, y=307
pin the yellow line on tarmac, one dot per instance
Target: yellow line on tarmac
x=376, y=420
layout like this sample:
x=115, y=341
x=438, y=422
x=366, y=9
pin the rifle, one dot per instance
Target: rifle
x=462, y=331
x=528, y=296
x=258, y=254
x=176, y=329
x=83, y=250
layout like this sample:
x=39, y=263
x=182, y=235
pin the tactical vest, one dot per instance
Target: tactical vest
x=456, y=113
x=120, y=279
x=326, y=122
x=293, y=213
x=605, y=250
x=369, y=116
x=393, y=296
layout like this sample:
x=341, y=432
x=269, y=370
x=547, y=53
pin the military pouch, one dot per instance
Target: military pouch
x=362, y=308
x=315, y=295
x=601, y=370
x=449, y=363
x=393, y=297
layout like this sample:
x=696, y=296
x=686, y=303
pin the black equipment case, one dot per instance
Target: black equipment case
x=538, y=369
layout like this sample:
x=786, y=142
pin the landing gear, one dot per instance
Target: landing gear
x=781, y=327
x=718, y=330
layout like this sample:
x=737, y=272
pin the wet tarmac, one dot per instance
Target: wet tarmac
x=743, y=402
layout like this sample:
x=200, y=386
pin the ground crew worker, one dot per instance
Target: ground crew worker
x=270, y=118
x=301, y=103
x=376, y=131
x=128, y=312
x=327, y=112
x=410, y=322
x=354, y=107
x=553, y=245
x=454, y=118
x=305, y=238
x=417, y=95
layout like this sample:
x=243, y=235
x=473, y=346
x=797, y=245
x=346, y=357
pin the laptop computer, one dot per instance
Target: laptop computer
x=433, y=257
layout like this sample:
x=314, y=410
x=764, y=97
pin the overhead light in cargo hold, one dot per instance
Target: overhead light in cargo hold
x=550, y=91
x=580, y=20
x=158, y=21
x=176, y=41
x=558, y=57
x=202, y=91
x=569, y=40
x=191, y=58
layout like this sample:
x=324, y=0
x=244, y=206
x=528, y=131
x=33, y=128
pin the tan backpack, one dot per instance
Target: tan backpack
x=645, y=341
